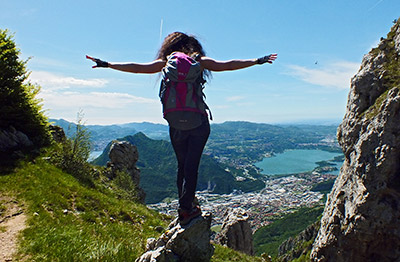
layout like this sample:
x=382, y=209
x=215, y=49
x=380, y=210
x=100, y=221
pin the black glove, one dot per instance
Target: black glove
x=266, y=59
x=99, y=62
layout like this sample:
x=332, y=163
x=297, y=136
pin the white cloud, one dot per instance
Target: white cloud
x=234, y=98
x=220, y=107
x=336, y=75
x=72, y=100
x=54, y=81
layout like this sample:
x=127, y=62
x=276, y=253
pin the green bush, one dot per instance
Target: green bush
x=19, y=107
x=72, y=154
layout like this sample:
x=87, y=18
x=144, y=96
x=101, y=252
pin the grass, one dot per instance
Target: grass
x=71, y=222
x=216, y=228
x=303, y=258
x=224, y=254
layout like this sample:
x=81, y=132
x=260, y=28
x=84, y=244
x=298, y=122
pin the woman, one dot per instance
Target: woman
x=188, y=144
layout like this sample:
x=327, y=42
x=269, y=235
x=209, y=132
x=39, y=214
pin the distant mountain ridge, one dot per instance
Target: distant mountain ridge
x=252, y=137
x=101, y=135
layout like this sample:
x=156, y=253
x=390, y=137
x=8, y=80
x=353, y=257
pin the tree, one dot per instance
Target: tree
x=20, y=110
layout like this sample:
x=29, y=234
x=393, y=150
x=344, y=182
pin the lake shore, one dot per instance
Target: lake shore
x=300, y=161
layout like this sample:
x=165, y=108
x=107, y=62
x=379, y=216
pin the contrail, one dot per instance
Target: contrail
x=161, y=25
x=380, y=1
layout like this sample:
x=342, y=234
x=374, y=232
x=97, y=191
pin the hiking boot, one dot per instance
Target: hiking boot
x=185, y=217
x=195, y=202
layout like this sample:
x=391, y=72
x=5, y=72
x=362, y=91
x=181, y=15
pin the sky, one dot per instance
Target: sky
x=320, y=46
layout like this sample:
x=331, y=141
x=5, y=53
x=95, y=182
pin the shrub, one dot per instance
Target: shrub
x=72, y=154
x=19, y=107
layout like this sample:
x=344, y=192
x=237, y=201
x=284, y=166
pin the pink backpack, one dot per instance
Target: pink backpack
x=181, y=92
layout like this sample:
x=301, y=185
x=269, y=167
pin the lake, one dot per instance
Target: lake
x=296, y=161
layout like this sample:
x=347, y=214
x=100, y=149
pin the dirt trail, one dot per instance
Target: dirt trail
x=12, y=221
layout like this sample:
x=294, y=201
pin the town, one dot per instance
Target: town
x=280, y=195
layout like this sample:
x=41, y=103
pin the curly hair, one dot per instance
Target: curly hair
x=181, y=42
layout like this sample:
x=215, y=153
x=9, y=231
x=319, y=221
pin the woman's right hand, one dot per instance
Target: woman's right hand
x=99, y=62
x=267, y=59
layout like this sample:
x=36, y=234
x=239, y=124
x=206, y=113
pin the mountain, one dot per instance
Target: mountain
x=361, y=217
x=158, y=166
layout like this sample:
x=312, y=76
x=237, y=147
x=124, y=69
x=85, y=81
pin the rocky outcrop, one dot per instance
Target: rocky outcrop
x=236, y=232
x=361, y=220
x=123, y=157
x=190, y=243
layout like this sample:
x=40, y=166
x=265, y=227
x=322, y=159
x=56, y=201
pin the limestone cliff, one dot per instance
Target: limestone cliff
x=361, y=220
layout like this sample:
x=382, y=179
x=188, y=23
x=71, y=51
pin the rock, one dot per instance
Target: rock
x=361, y=220
x=123, y=157
x=13, y=140
x=236, y=232
x=189, y=243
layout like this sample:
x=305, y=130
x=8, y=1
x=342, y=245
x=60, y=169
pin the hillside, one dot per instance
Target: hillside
x=68, y=221
x=71, y=221
x=157, y=163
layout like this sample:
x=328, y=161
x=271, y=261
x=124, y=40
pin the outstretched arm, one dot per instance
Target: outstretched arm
x=213, y=65
x=145, y=68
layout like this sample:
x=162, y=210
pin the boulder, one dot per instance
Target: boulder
x=190, y=243
x=13, y=140
x=123, y=157
x=236, y=232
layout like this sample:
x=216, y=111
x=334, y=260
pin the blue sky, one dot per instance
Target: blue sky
x=57, y=35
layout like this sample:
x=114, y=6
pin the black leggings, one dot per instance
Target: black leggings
x=188, y=146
